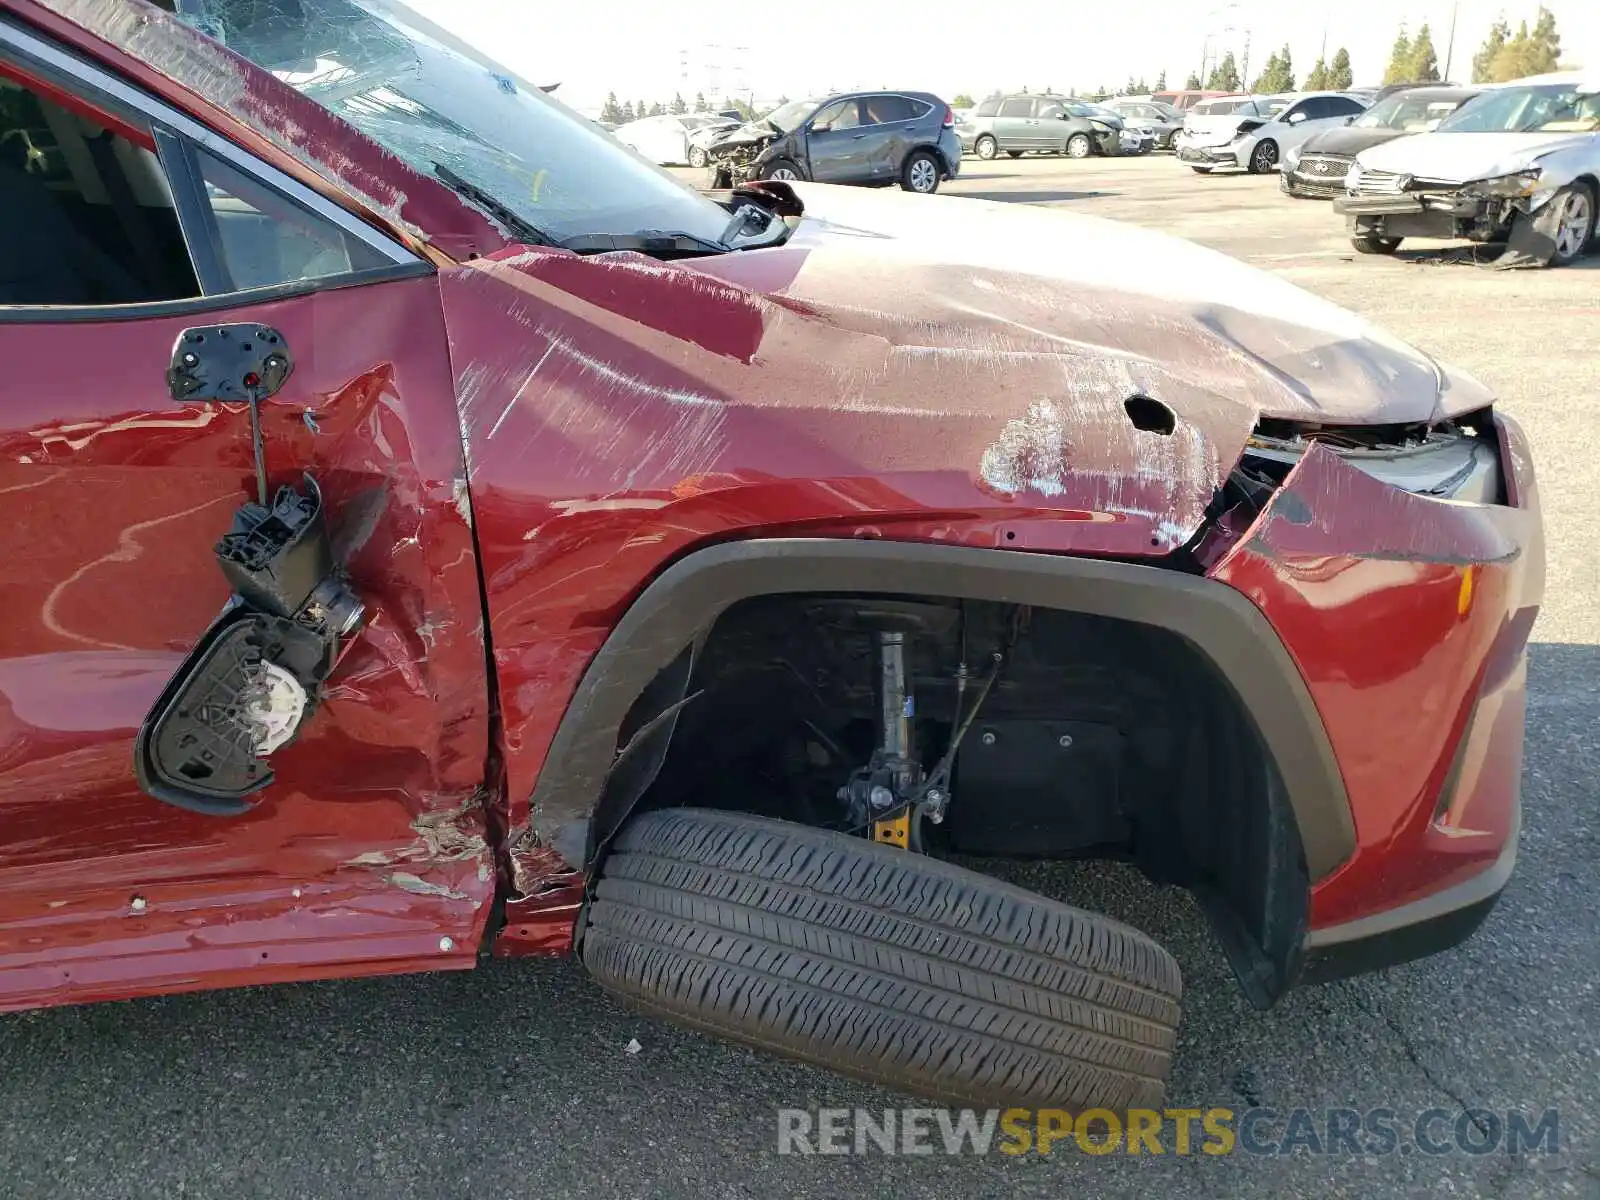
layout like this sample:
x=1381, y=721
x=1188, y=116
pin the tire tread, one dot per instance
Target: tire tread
x=880, y=964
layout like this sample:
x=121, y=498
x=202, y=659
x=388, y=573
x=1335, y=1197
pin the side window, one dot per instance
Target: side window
x=884, y=110
x=839, y=115
x=1017, y=106
x=988, y=108
x=1051, y=112
x=1343, y=106
x=263, y=239
x=1313, y=109
x=88, y=219
x=91, y=216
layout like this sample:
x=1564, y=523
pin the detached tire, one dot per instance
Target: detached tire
x=881, y=964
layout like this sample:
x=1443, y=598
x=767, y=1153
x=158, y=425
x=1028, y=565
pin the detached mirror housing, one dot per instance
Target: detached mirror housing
x=257, y=674
x=230, y=364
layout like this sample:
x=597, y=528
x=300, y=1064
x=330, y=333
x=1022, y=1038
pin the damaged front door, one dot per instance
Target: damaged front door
x=135, y=538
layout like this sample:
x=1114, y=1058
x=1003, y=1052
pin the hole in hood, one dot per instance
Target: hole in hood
x=1150, y=415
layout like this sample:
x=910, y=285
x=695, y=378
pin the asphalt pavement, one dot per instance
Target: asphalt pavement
x=523, y=1080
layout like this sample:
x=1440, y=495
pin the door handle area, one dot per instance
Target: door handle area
x=858, y=137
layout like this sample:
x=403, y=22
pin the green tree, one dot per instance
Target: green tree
x=1483, y=60
x=1339, y=75
x=1132, y=88
x=611, y=111
x=1424, y=63
x=1225, y=75
x=626, y=114
x=1278, y=76
x=962, y=100
x=1317, y=77
x=700, y=104
x=1192, y=82
x=678, y=106
x=1161, y=80
x=1399, y=68
x=1525, y=53
x=1546, y=43
x=657, y=110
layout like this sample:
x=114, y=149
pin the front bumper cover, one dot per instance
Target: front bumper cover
x=1408, y=617
x=1223, y=155
x=1431, y=214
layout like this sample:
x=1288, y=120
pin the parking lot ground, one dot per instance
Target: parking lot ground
x=516, y=1081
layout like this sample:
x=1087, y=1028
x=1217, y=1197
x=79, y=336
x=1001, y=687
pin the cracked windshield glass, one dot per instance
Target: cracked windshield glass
x=450, y=112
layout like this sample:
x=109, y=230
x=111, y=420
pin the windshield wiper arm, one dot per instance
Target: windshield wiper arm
x=650, y=241
x=514, y=222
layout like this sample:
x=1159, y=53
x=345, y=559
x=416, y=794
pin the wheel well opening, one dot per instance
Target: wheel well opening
x=1099, y=737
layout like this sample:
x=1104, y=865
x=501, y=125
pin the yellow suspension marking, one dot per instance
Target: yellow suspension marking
x=896, y=831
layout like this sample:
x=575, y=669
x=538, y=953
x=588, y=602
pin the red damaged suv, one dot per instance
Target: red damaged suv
x=433, y=531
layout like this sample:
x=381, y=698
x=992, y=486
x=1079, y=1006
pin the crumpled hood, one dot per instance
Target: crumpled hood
x=1217, y=130
x=959, y=369
x=752, y=133
x=1071, y=301
x=1463, y=157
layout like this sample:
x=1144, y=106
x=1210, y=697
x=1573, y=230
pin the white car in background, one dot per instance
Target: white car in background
x=1258, y=140
x=668, y=140
x=711, y=130
x=1209, y=127
x=1258, y=150
x=1519, y=164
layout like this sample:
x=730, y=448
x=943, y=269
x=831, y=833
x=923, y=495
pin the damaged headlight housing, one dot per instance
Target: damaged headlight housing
x=1506, y=187
x=1450, y=464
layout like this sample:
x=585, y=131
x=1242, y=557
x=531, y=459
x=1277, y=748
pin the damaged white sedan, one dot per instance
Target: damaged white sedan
x=1519, y=166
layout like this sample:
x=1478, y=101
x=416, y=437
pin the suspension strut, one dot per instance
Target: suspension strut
x=881, y=793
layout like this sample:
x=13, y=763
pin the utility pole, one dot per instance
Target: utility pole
x=1450, y=50
x=1244, y=70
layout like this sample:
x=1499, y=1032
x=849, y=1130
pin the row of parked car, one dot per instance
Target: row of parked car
x=1025, y=123
x=1514, y=164
x=872, y=138
x=914, y=139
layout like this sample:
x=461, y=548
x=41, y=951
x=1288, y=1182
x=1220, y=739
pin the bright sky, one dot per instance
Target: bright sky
x=651, y=50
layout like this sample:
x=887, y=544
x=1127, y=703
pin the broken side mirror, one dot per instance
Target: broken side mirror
x=256, y=675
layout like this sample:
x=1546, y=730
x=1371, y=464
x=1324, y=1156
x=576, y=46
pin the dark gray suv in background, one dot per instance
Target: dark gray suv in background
x=873, y=138
x=1021, y=123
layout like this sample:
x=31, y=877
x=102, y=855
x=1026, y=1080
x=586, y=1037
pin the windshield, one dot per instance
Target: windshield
x=1546, y=108
x=787, y=116
x=436, y=103
x=1409, y=112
